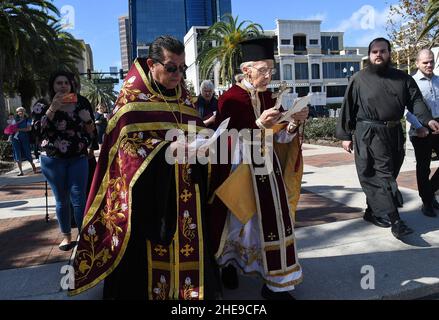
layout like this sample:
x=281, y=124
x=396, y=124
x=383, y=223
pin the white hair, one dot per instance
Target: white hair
x=243, y=65
x=206, y=84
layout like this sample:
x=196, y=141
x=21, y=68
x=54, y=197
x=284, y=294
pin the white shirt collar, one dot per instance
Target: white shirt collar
x=248, y=85
x=420, y=76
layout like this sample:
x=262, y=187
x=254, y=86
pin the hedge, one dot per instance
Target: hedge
x=6, y=151
x=320, y=128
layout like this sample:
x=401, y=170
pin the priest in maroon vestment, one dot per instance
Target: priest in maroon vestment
x=144, y=231
x=251, y=215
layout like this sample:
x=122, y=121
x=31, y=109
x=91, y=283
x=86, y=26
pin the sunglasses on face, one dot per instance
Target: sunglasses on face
x=172, y=68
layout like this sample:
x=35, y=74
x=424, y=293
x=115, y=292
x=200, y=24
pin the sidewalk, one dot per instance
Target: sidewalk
x=333, y=240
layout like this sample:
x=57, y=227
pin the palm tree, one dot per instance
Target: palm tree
x=22, y=22
x=62, y=53
x=431, y=22
x=36, y=46
x=98, y=94
x=220, y=44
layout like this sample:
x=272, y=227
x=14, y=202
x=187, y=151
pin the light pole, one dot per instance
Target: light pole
x=351, y=72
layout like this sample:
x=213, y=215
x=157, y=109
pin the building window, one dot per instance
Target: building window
x=314, y=42
x=302, y=91
x=276, y=76
x=315, y=71
x=335, y=91
x=299, y=44
x=329, y=43
x=285, y=41
x=316, y=89
x=334, y=70
x=288, y=72
x=301, y=71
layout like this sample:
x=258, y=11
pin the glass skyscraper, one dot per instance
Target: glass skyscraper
x=152, y=18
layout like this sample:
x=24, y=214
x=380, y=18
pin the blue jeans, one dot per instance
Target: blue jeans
x=68, y=180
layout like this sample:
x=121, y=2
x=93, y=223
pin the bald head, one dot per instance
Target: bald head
x=425, y=62
x=424, y=52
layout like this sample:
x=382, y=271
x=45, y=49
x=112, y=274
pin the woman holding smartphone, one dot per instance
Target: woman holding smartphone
x=66, y=128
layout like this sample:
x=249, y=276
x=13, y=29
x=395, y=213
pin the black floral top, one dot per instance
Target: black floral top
x=64, y=136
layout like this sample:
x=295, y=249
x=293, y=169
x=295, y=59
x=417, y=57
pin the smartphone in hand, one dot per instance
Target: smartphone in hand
x=70, y=98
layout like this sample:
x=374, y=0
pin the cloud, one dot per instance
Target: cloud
x=318, y=16
x=365, y=18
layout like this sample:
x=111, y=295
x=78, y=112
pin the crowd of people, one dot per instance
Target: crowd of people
x=156, y=226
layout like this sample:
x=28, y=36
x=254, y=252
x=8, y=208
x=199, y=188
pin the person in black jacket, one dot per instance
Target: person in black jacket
x=373, y=107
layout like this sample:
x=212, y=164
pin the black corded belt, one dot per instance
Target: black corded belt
x=387, y=123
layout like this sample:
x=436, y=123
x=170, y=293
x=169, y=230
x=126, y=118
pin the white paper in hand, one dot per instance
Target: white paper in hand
x=200, y=142
x=299, y=105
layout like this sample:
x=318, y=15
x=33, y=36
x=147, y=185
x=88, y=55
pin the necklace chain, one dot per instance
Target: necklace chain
x=179, y=123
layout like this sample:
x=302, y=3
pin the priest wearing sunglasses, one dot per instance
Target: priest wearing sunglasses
x=144, y=229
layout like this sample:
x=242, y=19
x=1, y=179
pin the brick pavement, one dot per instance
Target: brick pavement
x=23, y=191
x=29, y=241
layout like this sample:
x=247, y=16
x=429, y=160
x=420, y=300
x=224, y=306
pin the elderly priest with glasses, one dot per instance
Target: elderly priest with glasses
x=251, y=216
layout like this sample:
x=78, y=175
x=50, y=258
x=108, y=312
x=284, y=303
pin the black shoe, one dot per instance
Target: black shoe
x=435, y=204
x=229, y=277
x=66, y=247
x=427, y=210
x=400, y=229
x=267, y=294
x=378, y=221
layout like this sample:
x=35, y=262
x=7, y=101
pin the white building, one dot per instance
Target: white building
x=87, y=58
x=308, y=59
x=192, y=50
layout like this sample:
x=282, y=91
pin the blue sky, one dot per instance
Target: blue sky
x=96, y=21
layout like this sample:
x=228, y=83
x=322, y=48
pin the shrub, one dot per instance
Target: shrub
x=5, y=151
x=320, y=128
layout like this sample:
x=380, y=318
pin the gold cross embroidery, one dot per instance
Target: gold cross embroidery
x=272, y=236
x=185, y=196
x=187, y=250
x=278, y=171
x=289, y=230
x=262, y=178
x=160, y=250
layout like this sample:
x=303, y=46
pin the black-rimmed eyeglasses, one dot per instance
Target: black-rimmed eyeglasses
x=172, y=68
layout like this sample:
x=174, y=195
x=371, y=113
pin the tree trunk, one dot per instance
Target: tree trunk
x=3, y=113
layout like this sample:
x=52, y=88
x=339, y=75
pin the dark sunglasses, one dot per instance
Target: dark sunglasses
x=171, y=68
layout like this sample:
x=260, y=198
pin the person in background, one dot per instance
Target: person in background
x=423, y=138
x=66, y=131
x=101, y=122
x=21, y=145
x=37, y=110
x=207, y=103
x=11, y=129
